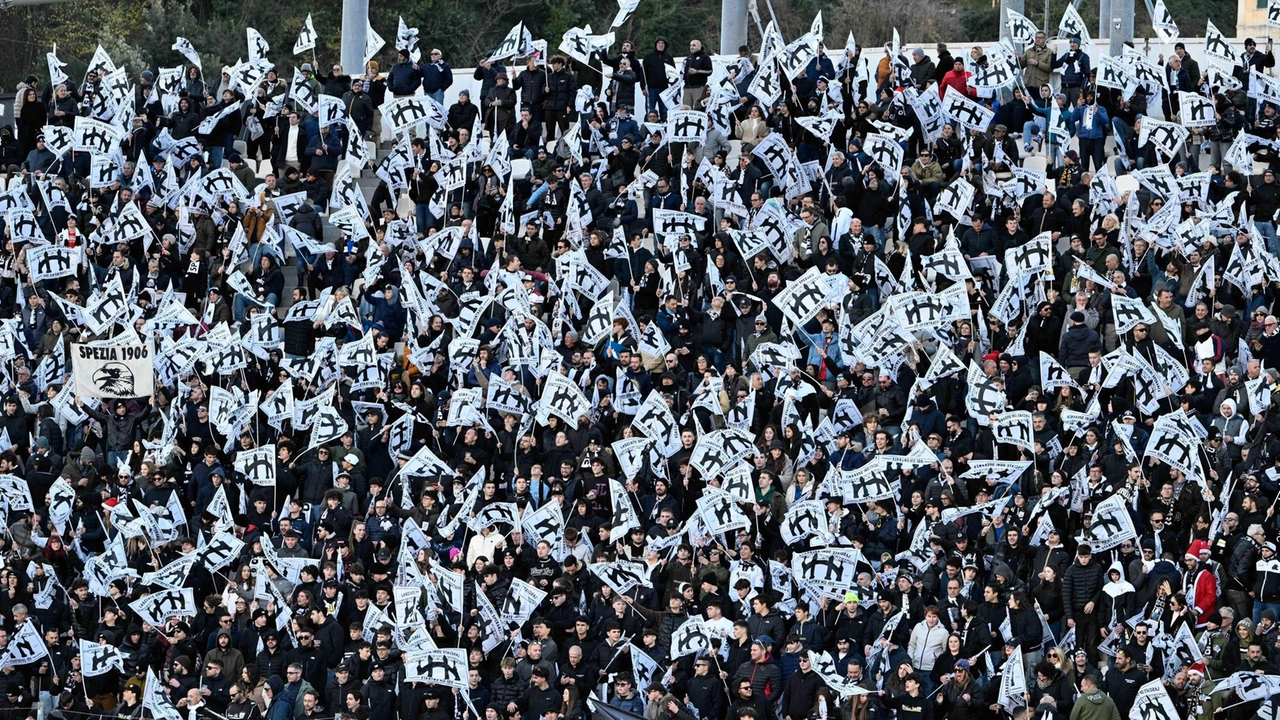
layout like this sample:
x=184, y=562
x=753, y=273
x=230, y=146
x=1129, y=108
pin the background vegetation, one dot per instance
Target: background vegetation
x=139, y=34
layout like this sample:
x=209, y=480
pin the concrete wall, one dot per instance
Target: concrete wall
x=1251, y=21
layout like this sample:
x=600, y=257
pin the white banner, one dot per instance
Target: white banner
x=1021, y=29
x=119, y=371
x=221, y=550
x=49, y=262
x=1014, y=428
x=306, y=37
x=1013, y=683
x=442, y=666
x=258, y=465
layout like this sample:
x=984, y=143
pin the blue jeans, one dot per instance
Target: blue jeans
x=1268, y=231
x=215, y=156
x=1055, y=150
x=438, y=96
x=123, y=456
x=257, y=250
x=1258, y=607
x=1031, y=128
x=422, y=214
x=303, y=272
x=242, y=303
x=1056, y=629
x=715, y=356
x=876, y=232
x=74, y=434
x=653, y=103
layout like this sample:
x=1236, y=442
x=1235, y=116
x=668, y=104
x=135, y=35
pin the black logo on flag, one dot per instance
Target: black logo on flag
x=114, y=378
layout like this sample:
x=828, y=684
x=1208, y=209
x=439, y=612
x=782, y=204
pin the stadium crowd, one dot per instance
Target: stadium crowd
x=1104, y=339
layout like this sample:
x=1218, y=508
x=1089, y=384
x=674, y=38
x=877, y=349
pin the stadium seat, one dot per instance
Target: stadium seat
x=1039, y=163
x=520, y=168
x=1126, y=184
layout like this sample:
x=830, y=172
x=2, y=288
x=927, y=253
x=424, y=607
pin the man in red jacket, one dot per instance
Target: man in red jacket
x=957, y=79
x=1199, y=583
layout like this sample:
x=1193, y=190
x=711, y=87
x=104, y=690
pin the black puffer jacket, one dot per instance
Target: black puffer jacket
x=1025, y=626
x=503, y=691
x=270, y=662
x=532, y=85
x=562, y=87
x=1081, y=585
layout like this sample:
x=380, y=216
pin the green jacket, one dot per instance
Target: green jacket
x=1209, y=702
x=1094, y=706
x=1036, y=75
x=1213, y=652
x=928, y=173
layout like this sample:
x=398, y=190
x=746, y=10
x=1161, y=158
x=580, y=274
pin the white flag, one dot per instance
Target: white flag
x=155, y=608
x=440, y=666
x=373, y=42
x=25, y=647
x=1163, y=22
x=183, y=46
x=1021, y=29
x=1217, y=45
x=1013, y=683
x=99, y=658
x=624, y=513
x=306, y=37
x=691, y=637
x=1153, y=703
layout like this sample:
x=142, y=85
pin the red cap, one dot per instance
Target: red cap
x=1197, y=548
